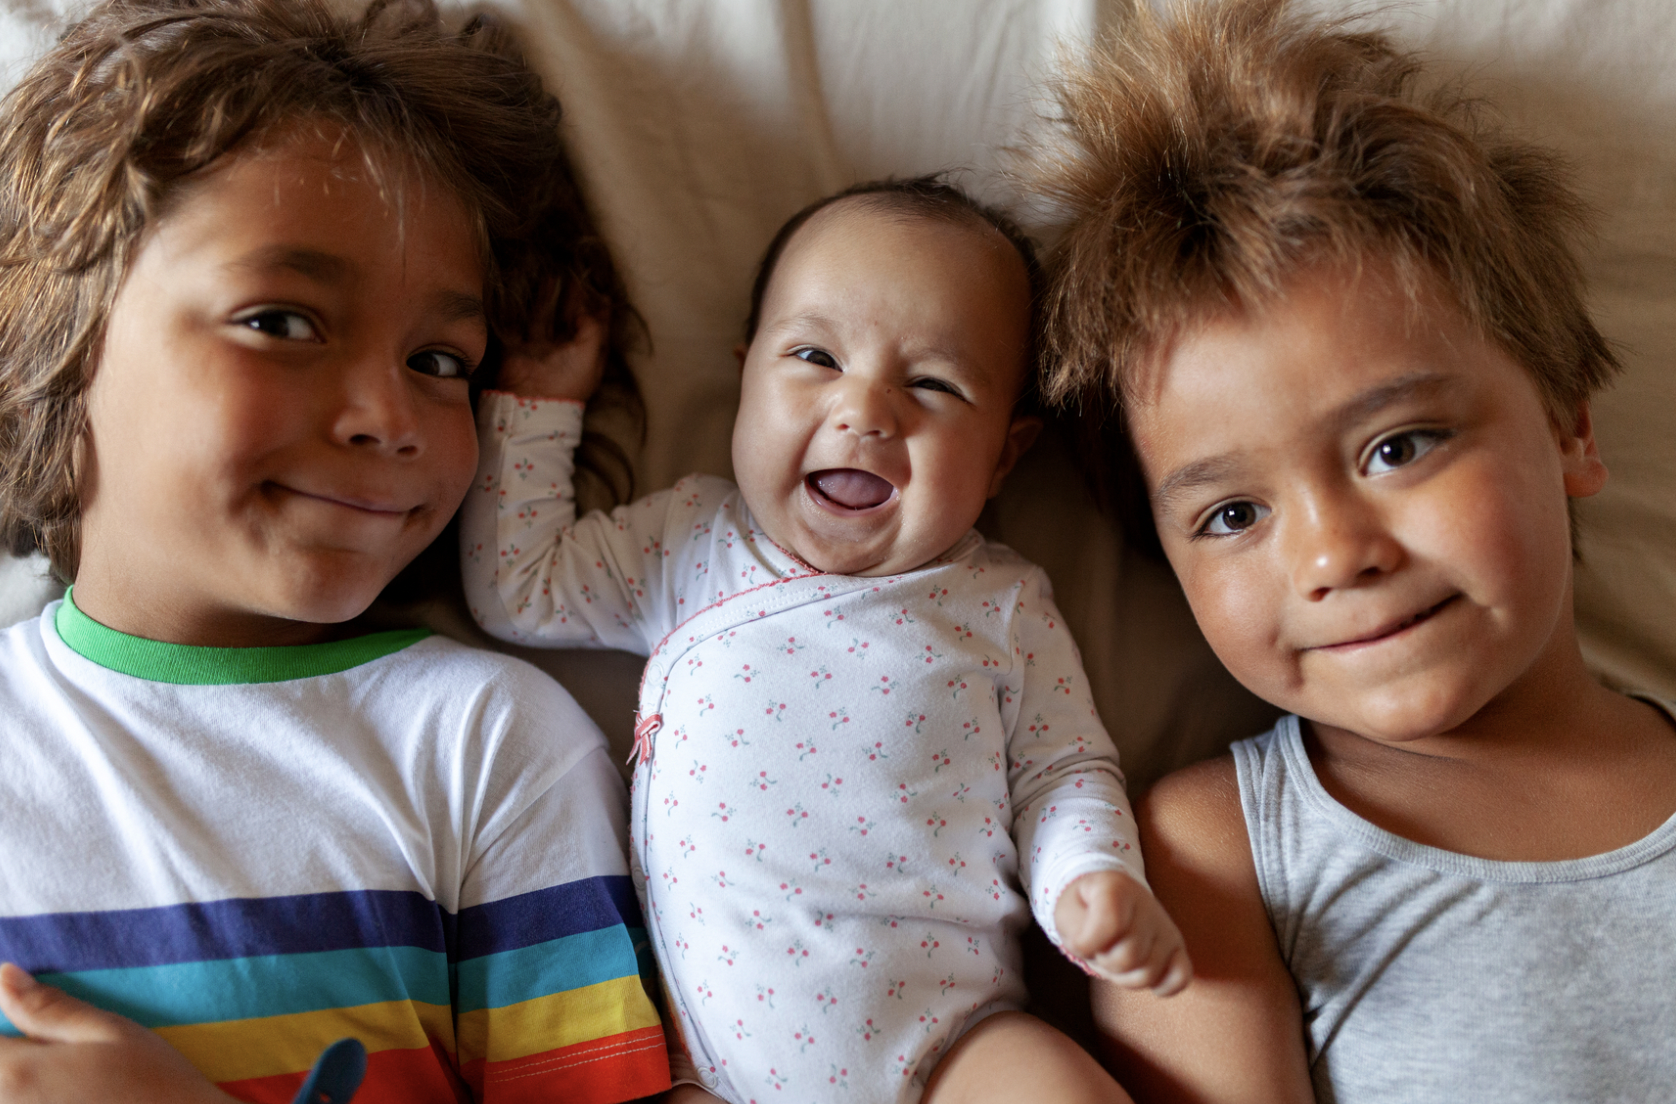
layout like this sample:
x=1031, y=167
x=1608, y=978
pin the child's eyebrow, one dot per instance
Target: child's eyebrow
x=325, y=268
x=329, y=268
x=1189, y=476
x=919, y=350
x=456, y=306
x=1357, y=409
x=1370, y=402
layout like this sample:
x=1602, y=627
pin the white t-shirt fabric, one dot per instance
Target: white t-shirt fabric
x=843, y=783
x=257, y=851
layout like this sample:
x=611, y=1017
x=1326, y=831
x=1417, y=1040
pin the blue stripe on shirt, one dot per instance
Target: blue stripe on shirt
x=585, y=905
x=310, y=923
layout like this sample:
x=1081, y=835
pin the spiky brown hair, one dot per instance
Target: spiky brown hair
x=1210, y=152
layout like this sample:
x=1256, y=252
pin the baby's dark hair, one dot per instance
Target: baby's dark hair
x=930, y=198
x=1211, y=153
x=99, y=137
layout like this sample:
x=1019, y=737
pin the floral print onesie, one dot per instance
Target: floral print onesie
x=850, y=793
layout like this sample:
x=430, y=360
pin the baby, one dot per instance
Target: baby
x=1346, y=329
x=253, y=252
x=866, y=747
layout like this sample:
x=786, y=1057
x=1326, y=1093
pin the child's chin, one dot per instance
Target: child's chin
x=324, y=606
x=1398, y=719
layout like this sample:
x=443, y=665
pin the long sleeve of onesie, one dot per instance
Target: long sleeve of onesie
x=536, y=574
x=1071, y=815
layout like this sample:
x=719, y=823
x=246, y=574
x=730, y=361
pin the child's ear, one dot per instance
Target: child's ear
x=1020, y=436
x=1585, y=472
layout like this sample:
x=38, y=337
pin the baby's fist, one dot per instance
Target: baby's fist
x=1117, y=926
x=568, y=371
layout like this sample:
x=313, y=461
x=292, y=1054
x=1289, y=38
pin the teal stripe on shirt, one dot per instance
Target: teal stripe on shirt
x=559, y=965
x=271, y=985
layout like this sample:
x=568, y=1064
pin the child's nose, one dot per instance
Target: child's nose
x=865, y=407
x=1338, y=541
x=377, y=410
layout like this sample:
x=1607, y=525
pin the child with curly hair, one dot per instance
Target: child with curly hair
x=251, y=253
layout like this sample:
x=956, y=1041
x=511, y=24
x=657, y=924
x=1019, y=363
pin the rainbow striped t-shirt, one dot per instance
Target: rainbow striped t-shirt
x=255, y=852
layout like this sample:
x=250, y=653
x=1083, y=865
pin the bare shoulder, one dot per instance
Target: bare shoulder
x=1198, y=859
x=1194, y=816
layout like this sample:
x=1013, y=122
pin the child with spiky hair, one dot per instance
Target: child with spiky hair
x=1341, y=323
x=251, y=252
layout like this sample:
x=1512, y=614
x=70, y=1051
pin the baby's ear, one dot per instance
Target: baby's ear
x=1585, y=472
x=1021, y=434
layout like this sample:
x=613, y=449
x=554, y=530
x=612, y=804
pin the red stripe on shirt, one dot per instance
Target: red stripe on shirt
x=418, y=1076
x=600, y=1071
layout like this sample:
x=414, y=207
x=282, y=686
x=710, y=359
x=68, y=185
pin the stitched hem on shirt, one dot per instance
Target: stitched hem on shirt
x=193, y=665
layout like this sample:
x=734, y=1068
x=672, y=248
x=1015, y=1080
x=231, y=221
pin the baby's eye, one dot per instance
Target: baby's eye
x=435, y=362
x=1402, y=448
x=284, y=324
x=932, y=384
x=820, y=358
x=1232, y=518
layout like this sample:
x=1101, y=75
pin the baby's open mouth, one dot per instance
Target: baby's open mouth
x=848, y=488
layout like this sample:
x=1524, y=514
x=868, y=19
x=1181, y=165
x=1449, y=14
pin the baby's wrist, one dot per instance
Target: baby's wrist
x=534, y=397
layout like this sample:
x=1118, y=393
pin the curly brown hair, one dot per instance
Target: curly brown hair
x=1211, y=152
x=136, y=98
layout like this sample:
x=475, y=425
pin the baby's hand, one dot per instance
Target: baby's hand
x=569, y=371
x=1117, y=925
x=76, y=1052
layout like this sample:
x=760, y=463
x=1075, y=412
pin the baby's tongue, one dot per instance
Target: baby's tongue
x=850, y=488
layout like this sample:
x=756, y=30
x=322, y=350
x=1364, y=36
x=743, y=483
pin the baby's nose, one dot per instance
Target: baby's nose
x=866, y=410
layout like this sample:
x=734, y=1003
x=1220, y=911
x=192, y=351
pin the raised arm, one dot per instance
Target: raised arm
x=534, y=574
x=1236, y=1034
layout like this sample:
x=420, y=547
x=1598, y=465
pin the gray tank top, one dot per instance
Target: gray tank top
x=1431, y=976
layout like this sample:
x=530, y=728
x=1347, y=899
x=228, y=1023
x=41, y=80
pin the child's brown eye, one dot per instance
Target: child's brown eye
x=1403, y=448
x=820, y=358
x=1233, y=517
x=283, y=324
x=435, y=362
x=1396, y=453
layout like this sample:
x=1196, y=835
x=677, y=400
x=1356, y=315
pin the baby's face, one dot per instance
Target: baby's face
x=279, y=417
x=1366, y=505
x=876, y=409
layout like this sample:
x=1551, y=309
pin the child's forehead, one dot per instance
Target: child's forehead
x=315, y=205
x=858, y=223
x=1341, y=311
x=1335, y=346
x=334, y=152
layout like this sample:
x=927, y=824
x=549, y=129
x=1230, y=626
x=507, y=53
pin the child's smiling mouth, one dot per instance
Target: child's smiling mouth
x=1391, y=630
x=848, y=490
x=376, y=508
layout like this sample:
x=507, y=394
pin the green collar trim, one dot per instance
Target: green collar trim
x=191, y=665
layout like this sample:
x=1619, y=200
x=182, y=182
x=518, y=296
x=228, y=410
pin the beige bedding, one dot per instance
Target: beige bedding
x=699, y=125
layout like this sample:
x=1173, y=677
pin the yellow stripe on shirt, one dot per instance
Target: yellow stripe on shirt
x=560, y=1020
x=237, y=1050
